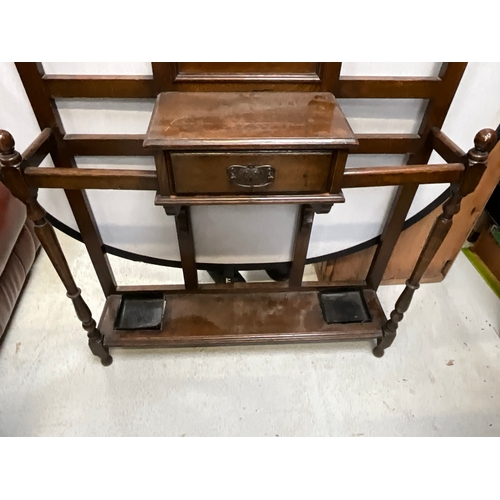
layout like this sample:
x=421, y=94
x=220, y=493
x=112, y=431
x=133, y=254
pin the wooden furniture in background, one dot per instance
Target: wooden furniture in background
x=353, y=268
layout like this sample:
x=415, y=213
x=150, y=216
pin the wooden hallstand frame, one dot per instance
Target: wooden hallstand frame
x=297, y=300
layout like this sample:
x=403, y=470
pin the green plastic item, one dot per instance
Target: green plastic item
x=481, y=268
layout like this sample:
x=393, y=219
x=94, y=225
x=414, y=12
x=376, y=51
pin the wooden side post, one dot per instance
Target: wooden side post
x=47, y=115
x=435, y=114
x=12, y=177
x=477, y=159
x=186, y=247
x=302, y=238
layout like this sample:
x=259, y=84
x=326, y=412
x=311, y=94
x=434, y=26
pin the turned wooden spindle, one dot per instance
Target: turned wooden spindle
x=12, y=177
x=477, y=159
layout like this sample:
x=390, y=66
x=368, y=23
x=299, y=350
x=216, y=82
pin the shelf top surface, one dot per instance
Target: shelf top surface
x=252, y=120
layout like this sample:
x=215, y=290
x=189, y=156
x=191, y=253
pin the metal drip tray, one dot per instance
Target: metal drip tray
x=344, y=306
x=143, y=311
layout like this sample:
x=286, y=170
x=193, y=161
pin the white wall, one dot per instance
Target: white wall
x=130, y=221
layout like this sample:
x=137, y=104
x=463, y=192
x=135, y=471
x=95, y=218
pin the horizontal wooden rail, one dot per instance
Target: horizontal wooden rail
x=92, y=178
x=396, y=176
x=106, y=145
x=387, y=143
x=101, y=86
x=37, y=151
x=251, y=199
x=146, y=180
x=306, y=78
x=446, y=148
x=237, y=287
x=387, y=88
x=131, y=144
x=144, y=86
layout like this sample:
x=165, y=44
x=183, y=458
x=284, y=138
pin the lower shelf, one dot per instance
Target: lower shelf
x=214, y=319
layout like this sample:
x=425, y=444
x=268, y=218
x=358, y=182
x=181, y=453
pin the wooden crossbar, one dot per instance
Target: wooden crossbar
x=144, y=86
x=100, y=178
x=131, y=144
x=446, y=148
x=38, y=150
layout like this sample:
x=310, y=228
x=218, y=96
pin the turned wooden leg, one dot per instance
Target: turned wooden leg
x=94, y=335
x=389, y=329
x=477, y=159
x=12, y=176
x=50, y=243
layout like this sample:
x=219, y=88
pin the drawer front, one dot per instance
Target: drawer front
x=221, y=173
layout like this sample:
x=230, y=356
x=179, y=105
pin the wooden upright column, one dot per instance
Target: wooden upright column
x=435, y=114
x=47, y=115
x=477, y=158
x=302, y=238
x=186, y=247
x=12, y=177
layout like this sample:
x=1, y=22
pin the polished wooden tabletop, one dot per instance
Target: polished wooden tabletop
x=248, y=120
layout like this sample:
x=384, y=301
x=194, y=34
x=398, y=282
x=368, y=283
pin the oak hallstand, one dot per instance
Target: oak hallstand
x=241, y=133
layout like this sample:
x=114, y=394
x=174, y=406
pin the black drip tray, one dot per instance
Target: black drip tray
x=344, y=305
x=141, y=311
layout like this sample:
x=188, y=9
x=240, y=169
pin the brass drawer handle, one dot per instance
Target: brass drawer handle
x=250, y=176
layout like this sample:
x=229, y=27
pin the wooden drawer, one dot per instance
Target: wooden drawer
x=275, y=172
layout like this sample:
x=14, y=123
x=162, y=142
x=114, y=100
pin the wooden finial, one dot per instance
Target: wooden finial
x=9, y=157
x=477, y=159
x=6, y=142
x=485, y=140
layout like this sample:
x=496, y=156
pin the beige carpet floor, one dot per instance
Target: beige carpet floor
x=441, y=377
